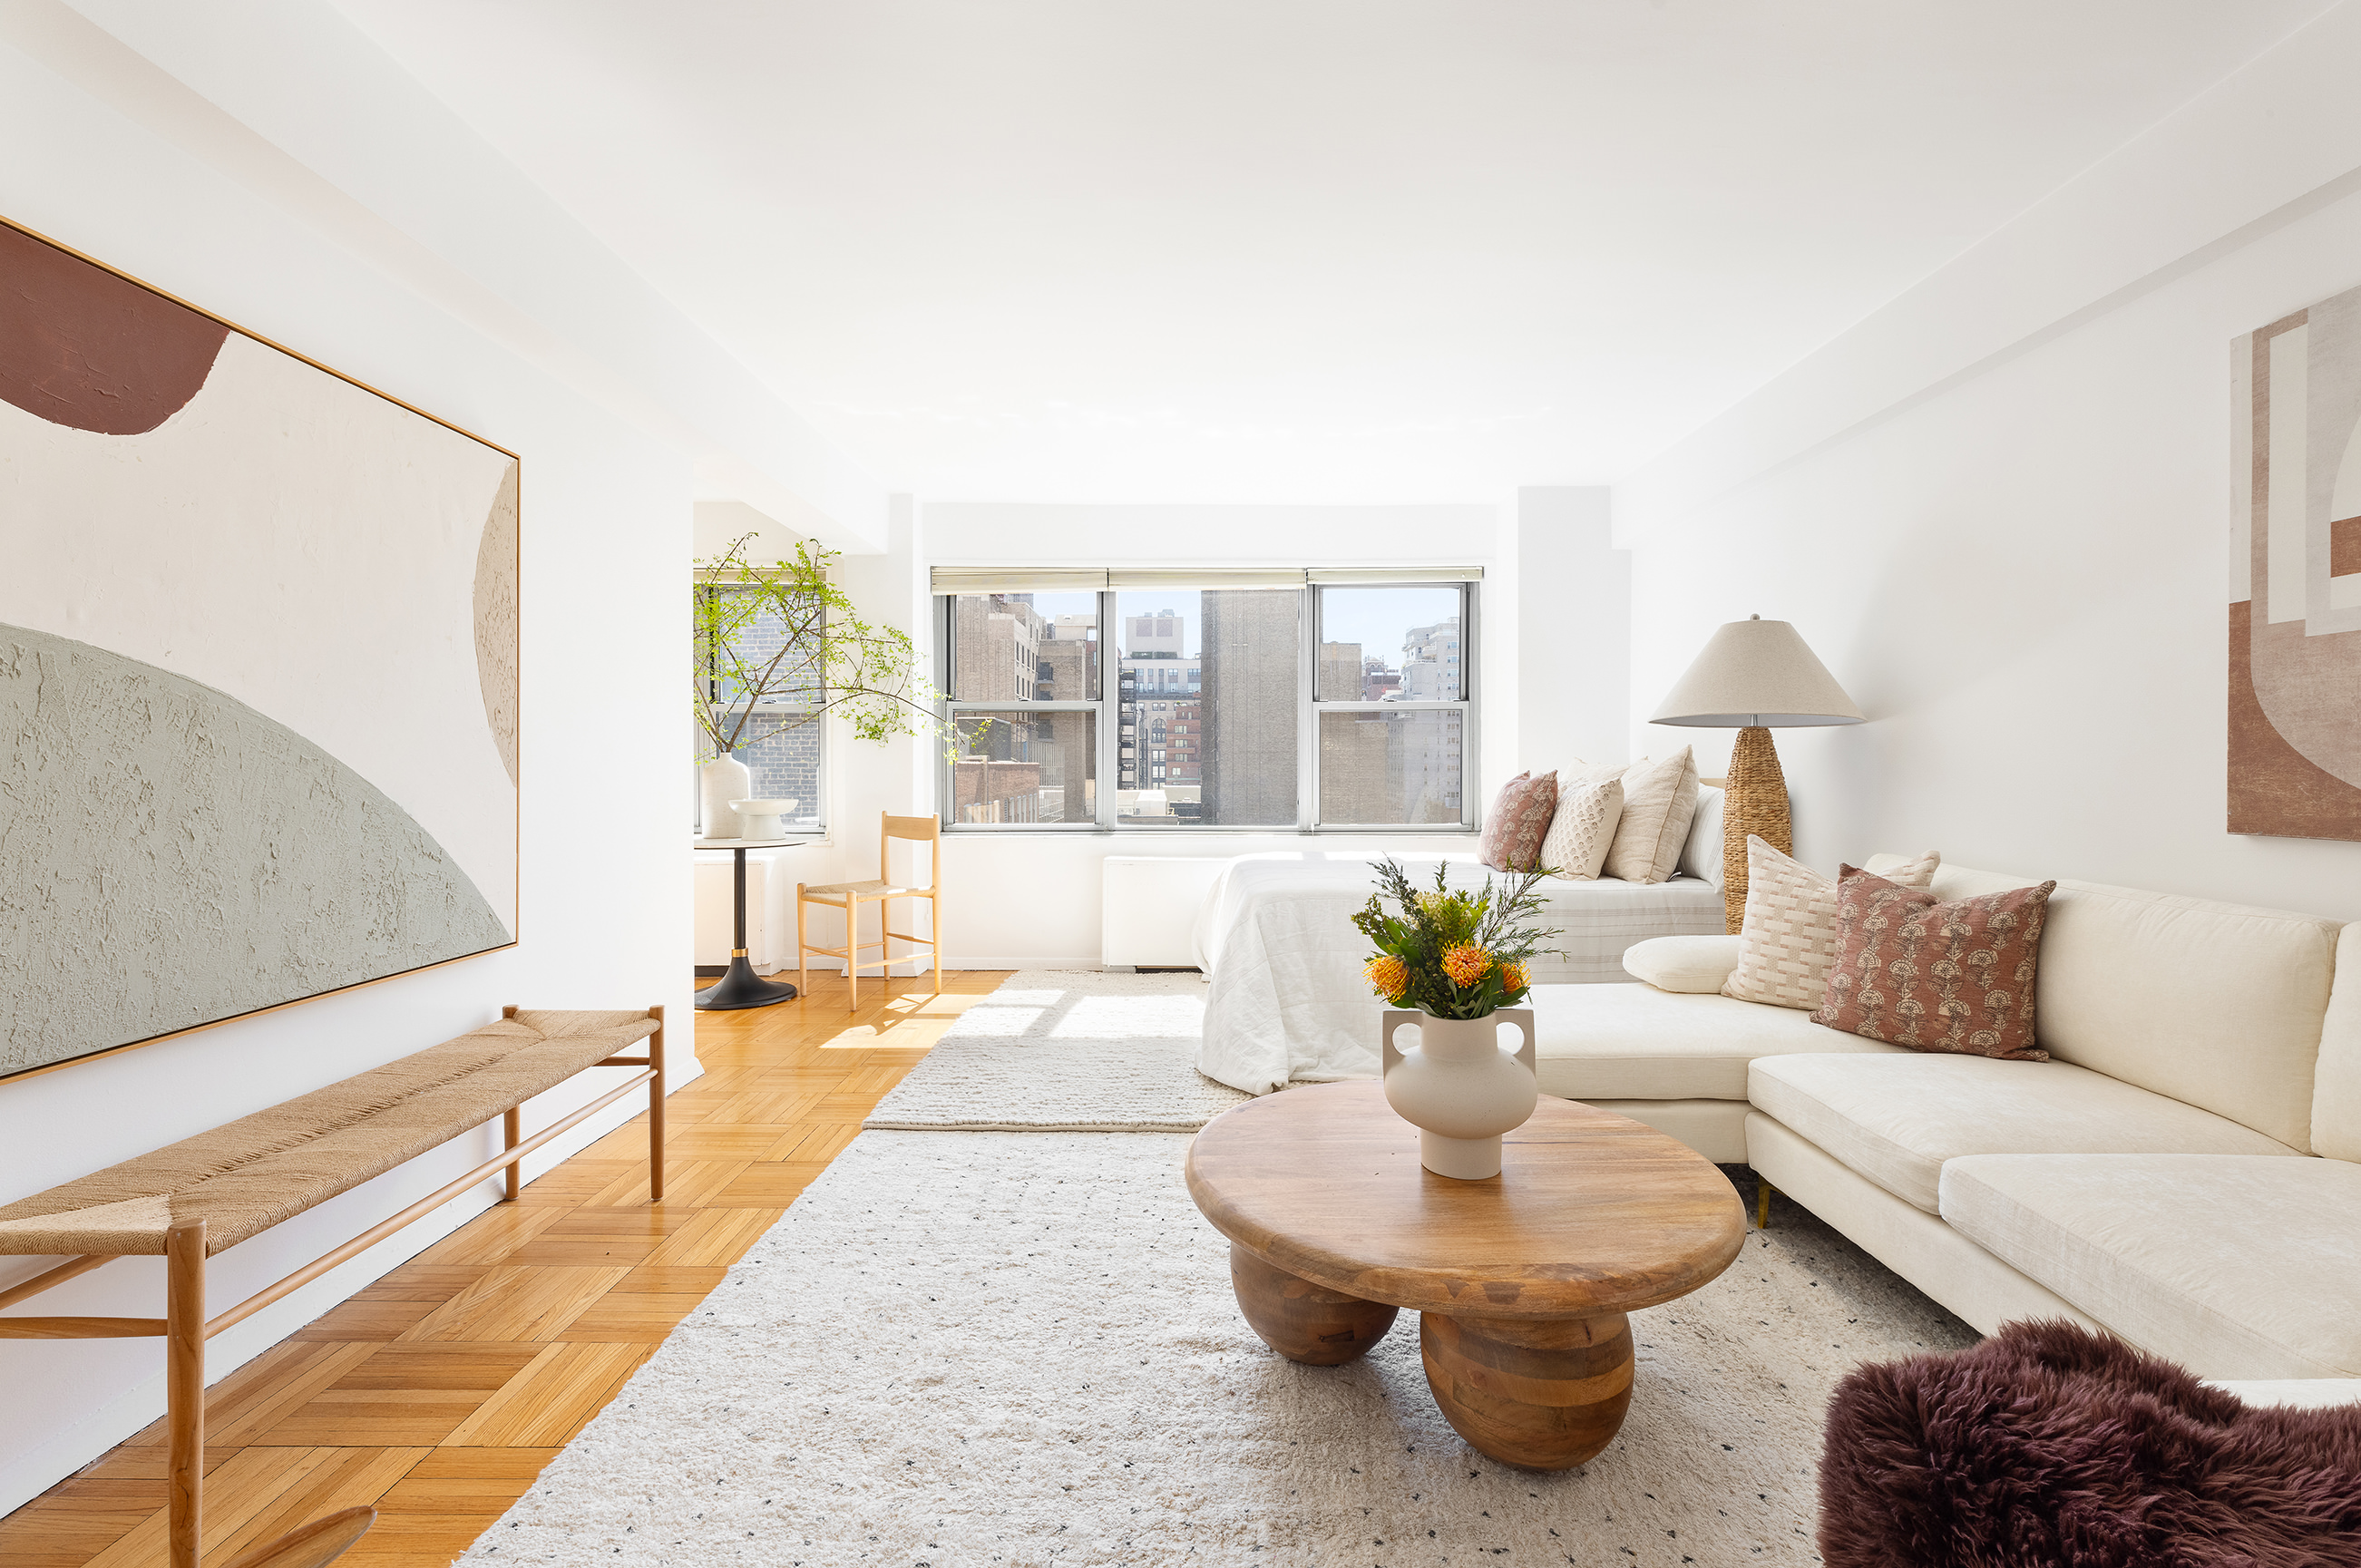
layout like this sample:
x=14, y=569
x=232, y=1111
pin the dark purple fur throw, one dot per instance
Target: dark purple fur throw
x=2048, y=1446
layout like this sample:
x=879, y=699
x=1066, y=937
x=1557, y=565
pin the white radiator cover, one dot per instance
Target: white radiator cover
x=1149, y=906
x=771, y=877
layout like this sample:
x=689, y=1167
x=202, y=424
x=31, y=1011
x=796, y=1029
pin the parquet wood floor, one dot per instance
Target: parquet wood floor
x=440, y=1391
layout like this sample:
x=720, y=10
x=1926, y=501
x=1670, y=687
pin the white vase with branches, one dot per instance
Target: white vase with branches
x=779, y=647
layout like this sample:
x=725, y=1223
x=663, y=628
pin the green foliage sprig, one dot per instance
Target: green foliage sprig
x=829, y=660
x=1453, y=955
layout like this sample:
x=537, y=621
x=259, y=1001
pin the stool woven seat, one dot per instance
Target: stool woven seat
x=838, y=892
x=245, y=1176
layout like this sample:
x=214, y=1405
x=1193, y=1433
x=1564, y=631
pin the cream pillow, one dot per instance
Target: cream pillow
x=1579, y=771
x=1682, y=963
x=1577, y=844
x=1659, y=802
x=1789, y=938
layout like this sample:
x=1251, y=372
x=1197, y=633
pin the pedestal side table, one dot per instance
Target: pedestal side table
x=742, y=987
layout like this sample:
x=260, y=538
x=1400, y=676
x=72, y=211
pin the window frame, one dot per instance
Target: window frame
x=821, y=783
x=1309, y=705
x=1314, y=705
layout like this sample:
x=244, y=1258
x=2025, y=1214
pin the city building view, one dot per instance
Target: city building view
x=1015, y=766
x=782, y=741
x=1207, y=696
x=1382, y=768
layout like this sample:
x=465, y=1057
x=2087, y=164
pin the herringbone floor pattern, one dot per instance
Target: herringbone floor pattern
x=439, y=1392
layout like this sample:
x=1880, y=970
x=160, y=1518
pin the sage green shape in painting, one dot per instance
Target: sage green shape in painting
x=170, y=857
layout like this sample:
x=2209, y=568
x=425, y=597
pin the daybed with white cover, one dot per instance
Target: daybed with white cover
x=1287, y=1001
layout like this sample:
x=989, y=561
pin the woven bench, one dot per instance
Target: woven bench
x=206, y=1194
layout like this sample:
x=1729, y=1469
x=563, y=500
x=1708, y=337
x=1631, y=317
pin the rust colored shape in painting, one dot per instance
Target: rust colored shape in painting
x=2274, y=789
x=2345, y=546
x=82, y=347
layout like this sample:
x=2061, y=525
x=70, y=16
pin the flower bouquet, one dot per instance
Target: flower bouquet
x=1453, y=955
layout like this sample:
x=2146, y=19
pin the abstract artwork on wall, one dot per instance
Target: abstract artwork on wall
x=2295, y=575
x=258, y=671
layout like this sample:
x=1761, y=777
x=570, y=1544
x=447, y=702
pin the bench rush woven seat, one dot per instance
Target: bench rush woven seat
x=206, y=1194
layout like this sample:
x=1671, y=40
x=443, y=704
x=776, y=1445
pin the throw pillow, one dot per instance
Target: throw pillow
x=1789, y=937
x=1695, y=964
x=1659, y=800
x=1518, y=821
x=1582, y=828
x=1579, y=771
x=1914, y=970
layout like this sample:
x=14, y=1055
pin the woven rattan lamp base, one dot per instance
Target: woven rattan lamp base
x=1757, y=805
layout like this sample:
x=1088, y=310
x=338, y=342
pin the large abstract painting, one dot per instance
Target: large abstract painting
x=2295, y=575
x=258, y=671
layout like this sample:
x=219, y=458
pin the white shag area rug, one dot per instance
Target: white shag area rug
x=1056, y=1050
x=1021, y=1348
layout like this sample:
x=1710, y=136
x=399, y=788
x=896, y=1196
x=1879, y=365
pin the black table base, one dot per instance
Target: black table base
x=742, y=987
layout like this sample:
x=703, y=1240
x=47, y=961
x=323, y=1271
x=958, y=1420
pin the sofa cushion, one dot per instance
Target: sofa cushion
x=1937, y=975
x=1682, y=963
x=1701, y=856
x=2336, y=1093
x=1790, y=936
x=1634, y=1042
x=2218, y=1005
x=2236, y=1267
x=1517, y=822
x=1575, y=847
x=1659, y=803
x=1896, y=1118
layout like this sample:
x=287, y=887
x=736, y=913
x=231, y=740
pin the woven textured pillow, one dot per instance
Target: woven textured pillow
x=1582, y=828
x=1518, y=821
x=1659, y=803
x=1789, y=938
x=1914, y=970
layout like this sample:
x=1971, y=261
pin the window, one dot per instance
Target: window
x=1391, y=705
x=781, y=737
x=1242, y=700
x=1025, y=689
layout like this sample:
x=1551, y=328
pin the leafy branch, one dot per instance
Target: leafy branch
x=781, y=646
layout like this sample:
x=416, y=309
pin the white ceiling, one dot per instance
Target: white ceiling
x=1295, y=250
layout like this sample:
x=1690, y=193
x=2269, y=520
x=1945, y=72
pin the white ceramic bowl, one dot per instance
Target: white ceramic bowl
x=759, y=818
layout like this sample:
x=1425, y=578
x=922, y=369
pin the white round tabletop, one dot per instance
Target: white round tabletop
x=746, y=843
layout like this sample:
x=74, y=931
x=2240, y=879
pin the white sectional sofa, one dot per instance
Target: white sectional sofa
x=2185, y=1172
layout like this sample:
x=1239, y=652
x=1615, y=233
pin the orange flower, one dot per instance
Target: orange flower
x=1388, y=974
x=1512, y=977
x=1466, y=963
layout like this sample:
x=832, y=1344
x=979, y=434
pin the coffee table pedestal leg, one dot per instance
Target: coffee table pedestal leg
x=1301, y=1321
x=1546, y=1394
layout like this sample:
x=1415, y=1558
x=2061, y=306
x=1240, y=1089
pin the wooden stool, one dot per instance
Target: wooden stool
x=850, y=896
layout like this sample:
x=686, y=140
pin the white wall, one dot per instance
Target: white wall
x=1574, y=629
x=605, y=881
x=1998, y=510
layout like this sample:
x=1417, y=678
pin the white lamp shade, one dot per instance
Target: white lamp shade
x=1757, y=672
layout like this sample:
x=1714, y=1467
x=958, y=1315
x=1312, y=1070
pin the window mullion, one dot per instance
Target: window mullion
x=1110, y=716
x=1307, y=717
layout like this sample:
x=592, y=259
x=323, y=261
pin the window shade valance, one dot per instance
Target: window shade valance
x=1050, y=579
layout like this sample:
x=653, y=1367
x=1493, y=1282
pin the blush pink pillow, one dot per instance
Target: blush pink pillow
x=1518, y=821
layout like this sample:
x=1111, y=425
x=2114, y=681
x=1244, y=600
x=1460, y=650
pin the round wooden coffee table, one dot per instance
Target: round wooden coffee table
x=1522, y=1282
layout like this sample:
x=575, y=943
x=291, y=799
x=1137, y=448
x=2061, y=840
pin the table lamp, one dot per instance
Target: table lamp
x=1754, y=674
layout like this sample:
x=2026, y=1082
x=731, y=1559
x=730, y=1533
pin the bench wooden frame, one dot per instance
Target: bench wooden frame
x=184, y=1328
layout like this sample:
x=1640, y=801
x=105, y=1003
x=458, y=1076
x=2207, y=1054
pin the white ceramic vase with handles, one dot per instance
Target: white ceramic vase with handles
x=1459, y=1089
